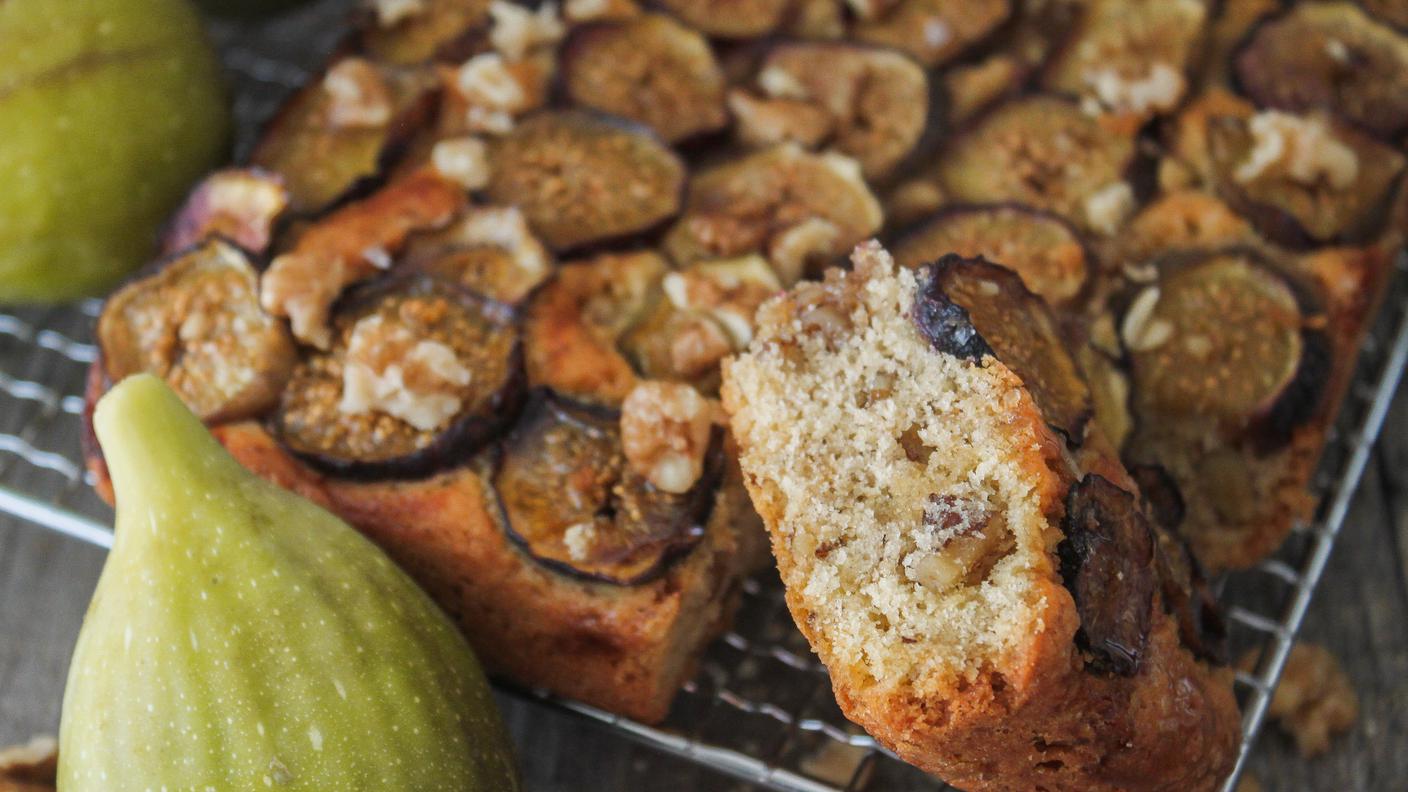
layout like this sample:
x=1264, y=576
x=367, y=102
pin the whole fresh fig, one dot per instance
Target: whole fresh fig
x=242, y=638
x=109, y=110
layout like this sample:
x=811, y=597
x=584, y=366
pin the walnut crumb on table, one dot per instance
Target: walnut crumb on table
x=1314, y=701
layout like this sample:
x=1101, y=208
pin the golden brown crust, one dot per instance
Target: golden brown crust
x=626, y=649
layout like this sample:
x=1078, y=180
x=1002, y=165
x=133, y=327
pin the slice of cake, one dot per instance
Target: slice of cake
x=961, y=547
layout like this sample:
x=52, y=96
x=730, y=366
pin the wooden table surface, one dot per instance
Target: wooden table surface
x=1360, y=612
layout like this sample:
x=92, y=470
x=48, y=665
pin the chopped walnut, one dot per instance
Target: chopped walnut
x=462, y=160
x=1315, y=700
x=665, y=433
x=1107, y=208
x=389, y=370
x=579, y=539
x=486, y=81
x=697, y=347
x=792, y=248
x=1304, y=150
x=502, y=227
x=728, y=291
x=517, y=30
x=957, y=540
x=1159, y=89
x=1141, y=330
x=359, y=95
x=390, y=13
x=592, y=10
x=35, y=762
x=765, y=121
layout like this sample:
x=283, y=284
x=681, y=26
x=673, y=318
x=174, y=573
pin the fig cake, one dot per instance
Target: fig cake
x=474, y=285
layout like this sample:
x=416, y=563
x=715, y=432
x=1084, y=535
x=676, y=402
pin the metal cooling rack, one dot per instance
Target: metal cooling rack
x=760, y=709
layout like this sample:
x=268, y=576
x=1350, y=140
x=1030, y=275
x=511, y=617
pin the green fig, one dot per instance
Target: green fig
x=242, y=638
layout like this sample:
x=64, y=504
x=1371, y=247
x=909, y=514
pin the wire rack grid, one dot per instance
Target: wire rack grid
x=760, y=708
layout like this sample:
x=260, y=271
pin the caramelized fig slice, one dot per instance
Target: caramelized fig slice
x=1130, y=55
x=1107, y=563
x=488, y=250
x=703, y=314
x=1039, y=150
x=574, y=322
x=338, y=133
x=409, y=33
x=240, y=205
x=1040, y=247
x=582, y=178
x=572, y=502
x=421, y=375
x=933, y=31
x=874, y=105
x=1329, y=56
x=196, y=323
x=795, y=207
x=1221, y=336
x=1304, y=177
x=1011, y=322
x=650, y=69
x=730, y=19
x=1184, y=586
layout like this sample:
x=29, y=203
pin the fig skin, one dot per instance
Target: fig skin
x=102, y=137
x=636, y=565
x=1107, y=563
x=1013, y=325
x=220, y=631
x=468, y=431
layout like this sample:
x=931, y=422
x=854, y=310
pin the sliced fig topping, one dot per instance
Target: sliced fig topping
x=582, y=178
x=338, y=133
x=933, y=31
x=409, y=33
x=422, y=374
x=572, y=501
x=349, y=245
x=1042, y=151
x=1107, y=563
x=703, y=314
x=871, y=104
x=1130, y=55
x=196, y=323
x=1221, y=336
x=488, y=250
x=997, y=314
x=1161, y=493
x=1187, y=597
x=240, y=205
x=730, y=19
x=1040, y=247
x=574, y=322
x=650, y=69
x=1329, y=56
x=795, y=207
x=1303, y=177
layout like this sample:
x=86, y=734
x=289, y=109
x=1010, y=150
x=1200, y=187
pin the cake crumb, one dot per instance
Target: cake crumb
x=1314, y=701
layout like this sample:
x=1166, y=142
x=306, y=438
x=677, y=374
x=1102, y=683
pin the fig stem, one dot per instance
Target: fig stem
x=147, y=432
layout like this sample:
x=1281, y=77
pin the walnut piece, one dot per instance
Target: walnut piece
x=517, y=30
x=1304, y=150
x=389, y=370
x=359, y=95
x=665, y=433
x=1314, y=701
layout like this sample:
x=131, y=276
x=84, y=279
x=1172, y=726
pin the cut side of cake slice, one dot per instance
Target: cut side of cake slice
x=962, y=548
